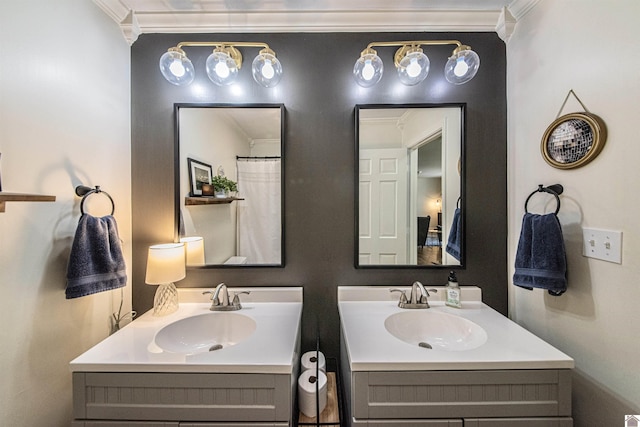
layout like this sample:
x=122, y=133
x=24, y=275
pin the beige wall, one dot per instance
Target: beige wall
x=64, y=120
x=589, y=46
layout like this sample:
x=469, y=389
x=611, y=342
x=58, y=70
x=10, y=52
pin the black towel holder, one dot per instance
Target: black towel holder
x=84, y=192
x=555, y=190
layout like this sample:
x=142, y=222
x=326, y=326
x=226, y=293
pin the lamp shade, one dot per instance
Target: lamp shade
x=176, y=67
x=368, y=68
x=221, y=67
x=266, y=68
x=195, y=250
x=462, y=66
x=414, y=67
x=165, y=263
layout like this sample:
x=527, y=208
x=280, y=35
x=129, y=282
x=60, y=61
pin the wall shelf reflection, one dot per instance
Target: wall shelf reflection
x=23, y=197
x=206, y=200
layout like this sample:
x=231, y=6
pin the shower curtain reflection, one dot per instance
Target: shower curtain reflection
x=259, y=214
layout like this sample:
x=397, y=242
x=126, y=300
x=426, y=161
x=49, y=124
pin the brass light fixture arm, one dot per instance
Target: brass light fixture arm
x=228, y=47
x=414, y=44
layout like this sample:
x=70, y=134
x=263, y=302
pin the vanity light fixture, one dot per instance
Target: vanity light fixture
x=412, y=64
x=222, y=65
x=165, y=265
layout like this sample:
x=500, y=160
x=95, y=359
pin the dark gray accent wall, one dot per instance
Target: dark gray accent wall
x=319, y=95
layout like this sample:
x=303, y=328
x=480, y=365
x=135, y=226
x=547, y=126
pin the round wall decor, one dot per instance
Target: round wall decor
x=573, y=140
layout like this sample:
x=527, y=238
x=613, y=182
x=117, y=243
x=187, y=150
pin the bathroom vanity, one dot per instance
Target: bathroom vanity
x=196, y=367
x=444, y=366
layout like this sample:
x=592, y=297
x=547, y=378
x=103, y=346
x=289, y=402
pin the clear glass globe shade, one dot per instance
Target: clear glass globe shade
x=462, y=67
x=176, y=68
x=368, y=70
x=413, y=68
x=266, y=69
x=221, y=68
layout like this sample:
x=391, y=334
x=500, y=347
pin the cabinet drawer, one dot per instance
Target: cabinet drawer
x=464, y=394
x=182, y=397
x=408, y=423
x=519, y=422
x=123, y=424
x=234, y=425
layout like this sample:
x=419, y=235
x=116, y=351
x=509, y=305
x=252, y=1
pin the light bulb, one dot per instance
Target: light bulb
x=368, y=71
x=414, y=68
x=267, y=70
x=222, y=70
x=176, y=68
x=461, y=68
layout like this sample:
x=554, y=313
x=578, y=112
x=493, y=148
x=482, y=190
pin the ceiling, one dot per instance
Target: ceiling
x=137, y=17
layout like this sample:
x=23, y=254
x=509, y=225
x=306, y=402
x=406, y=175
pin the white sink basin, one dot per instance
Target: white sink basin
x=434, y=330
x=206, y=332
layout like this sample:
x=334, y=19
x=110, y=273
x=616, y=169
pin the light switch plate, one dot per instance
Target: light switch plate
x=602, y=244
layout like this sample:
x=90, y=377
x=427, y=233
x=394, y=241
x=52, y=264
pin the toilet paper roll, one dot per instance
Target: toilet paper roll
x=309, y=361
x=307, y=386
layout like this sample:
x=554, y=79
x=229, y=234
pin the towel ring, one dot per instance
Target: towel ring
x=554, y=190
x=84, y=192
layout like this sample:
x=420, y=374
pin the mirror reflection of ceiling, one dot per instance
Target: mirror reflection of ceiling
x=256, y=123
x=137, y=17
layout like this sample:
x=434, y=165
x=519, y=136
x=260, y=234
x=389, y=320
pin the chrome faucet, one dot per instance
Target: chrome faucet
x=417, y=297
x=220, y=299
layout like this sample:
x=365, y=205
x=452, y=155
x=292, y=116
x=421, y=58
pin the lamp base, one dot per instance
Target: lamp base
x=166, y=300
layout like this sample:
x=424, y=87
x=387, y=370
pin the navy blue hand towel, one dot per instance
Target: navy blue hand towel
x=96, y=262
x=455, y=236
x=541, y=261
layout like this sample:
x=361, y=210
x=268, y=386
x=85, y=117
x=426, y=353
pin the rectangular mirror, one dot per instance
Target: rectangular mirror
x=243, y=143
x=409, y=174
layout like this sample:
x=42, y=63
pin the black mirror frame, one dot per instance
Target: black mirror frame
x=176, y=158
x=463, y=134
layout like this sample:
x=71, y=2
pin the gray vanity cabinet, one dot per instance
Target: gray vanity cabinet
x=482, y=398
x=110, y=399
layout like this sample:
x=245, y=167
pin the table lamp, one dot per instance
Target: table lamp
x=165, y=265
x=194, y=246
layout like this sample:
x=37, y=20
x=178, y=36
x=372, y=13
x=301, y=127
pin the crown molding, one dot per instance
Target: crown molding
x=117, y=10
x=317, y=21
x=506, y=25
x=520, y=8
x=134, y=23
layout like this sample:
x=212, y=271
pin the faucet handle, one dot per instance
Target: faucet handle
x=208, y=292
x=403, y=295
x=236, y=298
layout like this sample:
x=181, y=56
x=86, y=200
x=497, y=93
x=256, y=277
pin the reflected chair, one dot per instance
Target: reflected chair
x=423, y=230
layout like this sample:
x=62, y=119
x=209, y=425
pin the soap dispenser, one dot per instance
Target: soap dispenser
x=452, y=291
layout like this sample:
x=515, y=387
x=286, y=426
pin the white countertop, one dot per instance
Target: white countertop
x=371, y=347
x=272, y=348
